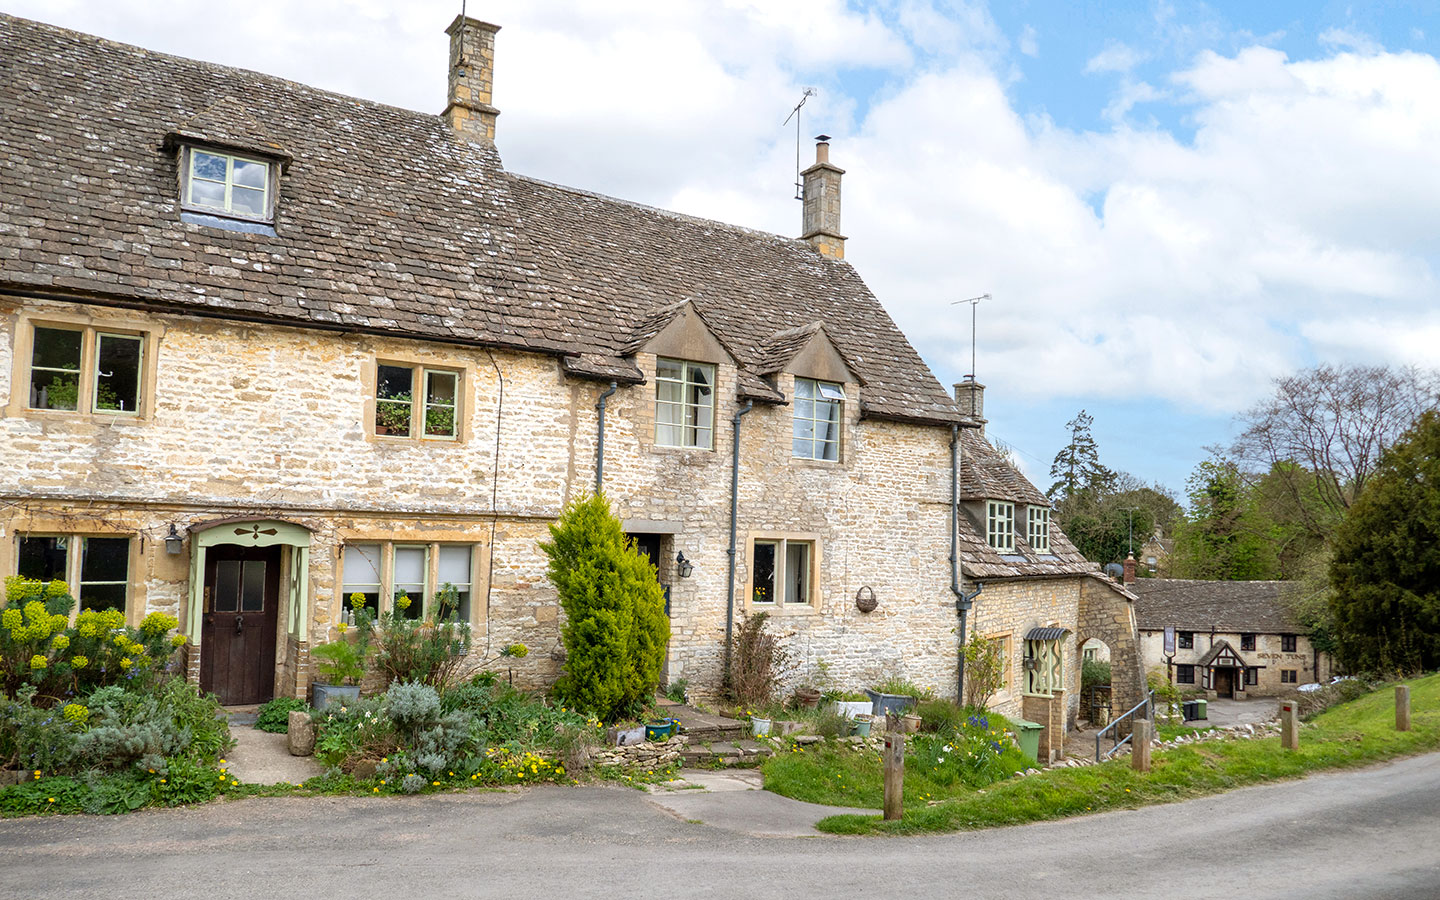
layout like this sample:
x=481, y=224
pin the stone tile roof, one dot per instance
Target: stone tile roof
x=1230, y=606
x=386, y=222
x=985, y=473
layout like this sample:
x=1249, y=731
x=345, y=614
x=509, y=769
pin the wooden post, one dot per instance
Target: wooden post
x=894, y=773
x=1289, y=726
x=1140, y=733
x=1402, y=707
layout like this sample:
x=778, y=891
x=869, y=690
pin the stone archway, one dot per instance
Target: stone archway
x=1107, y=614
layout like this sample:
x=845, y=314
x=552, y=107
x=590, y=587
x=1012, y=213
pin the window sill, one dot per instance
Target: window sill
x=227, y=223
x=121, y=418
x=785, y=609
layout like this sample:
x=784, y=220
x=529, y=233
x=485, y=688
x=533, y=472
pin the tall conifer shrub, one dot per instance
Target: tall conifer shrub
x=616, y=630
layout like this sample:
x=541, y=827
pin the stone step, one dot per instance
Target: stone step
x=727, y=753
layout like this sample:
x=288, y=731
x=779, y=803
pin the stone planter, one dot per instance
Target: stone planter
x=759, y=726
x=338, y=694
x=807, y=698
x=852, y=709
x=884, y=704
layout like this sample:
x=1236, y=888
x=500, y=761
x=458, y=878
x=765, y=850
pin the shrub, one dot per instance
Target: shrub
x=1094, y=672
x=978, y=752
x=757, y=663
x=340, y=661
x=274, y=716
x=940, y=716
x=616, y=629
x=676, y=690
x=984, y=665
x=410, y=649
x=905, y=688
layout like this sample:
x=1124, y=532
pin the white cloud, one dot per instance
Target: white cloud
x=1349, y=39
x=1028, y=43
x=1116, y=57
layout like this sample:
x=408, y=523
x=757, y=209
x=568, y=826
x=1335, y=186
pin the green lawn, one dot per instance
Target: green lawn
x=1353, y=734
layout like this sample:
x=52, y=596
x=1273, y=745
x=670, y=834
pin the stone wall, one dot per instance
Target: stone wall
x=1109, y=616
x=1009, y=609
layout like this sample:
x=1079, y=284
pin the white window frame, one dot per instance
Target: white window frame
x=420, y=376
x=1000, y=525
x=1046, y=677
x=825, y=395
x=87, y=377
x=1038, y=530
x=74, y=557
x=228, y=211
x=782, y=563
x=387, y=586
x=695, y=416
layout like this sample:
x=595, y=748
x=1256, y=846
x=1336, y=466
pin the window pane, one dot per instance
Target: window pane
x=763, y=583
x=57, y=348
x=667, y=435
x=207, y=193
x=830, y=391
x=828, y=451
x=797, y=573
x=410, y=565
x=669, y=391
x=207, y=165
x=440, y=394
x=55, y=369
x=247, y=202
x=105, y=559
x=102, y=596
x=117, y=379
x=454, y=565
x=804, y=389
x=801, y=448
x=361, y=568
x=668, y=413
x=42, y=558
x=393, y=385
x=669, y=368
x=252, y=586
x=250, y=174
x=227, y=585
x=702, y=439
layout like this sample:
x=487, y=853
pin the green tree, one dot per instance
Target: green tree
x=615, y=630
x=1077, y=466
x=1224, y=535
x=1386, y=567
x=1104, y=525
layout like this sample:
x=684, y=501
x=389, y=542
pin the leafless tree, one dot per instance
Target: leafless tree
x=1324, y=429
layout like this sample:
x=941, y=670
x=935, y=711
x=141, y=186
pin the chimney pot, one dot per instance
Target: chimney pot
x=472, y=79
x=821, y=216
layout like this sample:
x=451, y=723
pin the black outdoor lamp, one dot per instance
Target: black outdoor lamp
x=173, y=541
x=685, y=567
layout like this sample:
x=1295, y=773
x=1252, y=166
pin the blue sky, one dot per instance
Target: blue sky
x=1172, y=203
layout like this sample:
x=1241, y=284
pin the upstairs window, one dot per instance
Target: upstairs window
x=1287, y=643
x=228, y=185
x=1000, y=525
x=398, y=412
x=1187, y=640
x=684, y=404
x=1039, y=532
x=817, y=419
x=1247, y=642
x=83, y=368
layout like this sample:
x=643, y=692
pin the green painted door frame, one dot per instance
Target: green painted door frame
x=250, y=532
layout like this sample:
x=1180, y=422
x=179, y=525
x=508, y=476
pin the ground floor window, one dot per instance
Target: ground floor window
x=1252, y=675
x=97, y=569
x=430, y=581
x=1184, y=674
x=1287, y=676
x=782, y=571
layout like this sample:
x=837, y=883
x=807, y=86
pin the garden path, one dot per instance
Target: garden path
x=735, y=800
x=260, y=757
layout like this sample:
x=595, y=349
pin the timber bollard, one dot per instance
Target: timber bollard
x=1402, y=707
x=1289, y=725
x=894, y=768
x=1140, y=734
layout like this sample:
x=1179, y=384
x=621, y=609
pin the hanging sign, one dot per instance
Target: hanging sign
x=1169, y=640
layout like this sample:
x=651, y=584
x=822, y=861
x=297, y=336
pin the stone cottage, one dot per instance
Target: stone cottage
x=264, y=346
x=1234, y=639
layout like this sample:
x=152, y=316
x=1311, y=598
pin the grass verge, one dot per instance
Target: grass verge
x=1354, y=734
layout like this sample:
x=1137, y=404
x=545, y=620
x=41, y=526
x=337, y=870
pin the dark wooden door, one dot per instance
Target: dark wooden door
x=1225, y=682
x=237, y=637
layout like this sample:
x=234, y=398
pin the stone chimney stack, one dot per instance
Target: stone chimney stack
x=970, y=395
x=821, y=222
x=472, y=79
x=1130, y=569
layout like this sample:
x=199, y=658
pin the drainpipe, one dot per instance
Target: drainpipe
x=963, y=601
x=600, y=437
x=734, y=504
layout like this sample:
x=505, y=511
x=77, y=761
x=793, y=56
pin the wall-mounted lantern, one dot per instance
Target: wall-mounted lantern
x=174, y=543
x=684, y=565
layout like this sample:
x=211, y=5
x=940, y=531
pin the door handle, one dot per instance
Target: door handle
x=239, y=624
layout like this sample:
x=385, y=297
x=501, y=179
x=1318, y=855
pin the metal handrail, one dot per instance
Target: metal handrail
x=1147, y=704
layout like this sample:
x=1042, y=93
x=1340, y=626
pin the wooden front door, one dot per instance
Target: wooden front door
x=1225, y=682
x=237, y=637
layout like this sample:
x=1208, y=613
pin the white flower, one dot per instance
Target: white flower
x=949, y=748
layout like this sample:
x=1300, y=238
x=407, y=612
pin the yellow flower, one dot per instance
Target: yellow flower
x=342, y=627
x=357, y=599
x=435, y=783
x=60, y=642
x=177, y=640
x=126, y=662
x=402, y=601
x=377, y=790
x=38, y=662
x=79, y=662
x=52, y=799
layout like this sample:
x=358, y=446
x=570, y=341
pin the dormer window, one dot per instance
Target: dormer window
x=817, y=419
x=684, y=404
x=1000, y=525
x=227, y=184
x=1039, y=531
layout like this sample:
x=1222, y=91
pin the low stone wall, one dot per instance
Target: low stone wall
x=646, y=754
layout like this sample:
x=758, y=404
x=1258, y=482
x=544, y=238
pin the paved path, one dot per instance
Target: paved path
x=736, y=800
x=1367, y=834
x=260, y=757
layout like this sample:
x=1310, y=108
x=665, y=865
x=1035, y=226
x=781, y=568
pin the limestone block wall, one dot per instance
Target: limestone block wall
x=1109, y=616
x=1009, y=609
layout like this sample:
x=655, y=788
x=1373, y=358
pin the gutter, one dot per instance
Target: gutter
x=963, y=601
x=734, y=505
x=600, y=437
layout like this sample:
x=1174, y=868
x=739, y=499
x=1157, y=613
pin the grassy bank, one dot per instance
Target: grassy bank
x=1354, y=734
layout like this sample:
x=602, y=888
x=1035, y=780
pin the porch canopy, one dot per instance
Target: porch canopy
x=249, y=531
x=1221, y=655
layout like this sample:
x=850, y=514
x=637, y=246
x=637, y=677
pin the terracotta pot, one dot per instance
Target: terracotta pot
x=808, y=698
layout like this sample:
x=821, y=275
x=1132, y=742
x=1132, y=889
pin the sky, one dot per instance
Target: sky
x=1169, y=204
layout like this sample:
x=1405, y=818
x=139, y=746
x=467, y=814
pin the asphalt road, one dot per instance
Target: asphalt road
x=1367, y=834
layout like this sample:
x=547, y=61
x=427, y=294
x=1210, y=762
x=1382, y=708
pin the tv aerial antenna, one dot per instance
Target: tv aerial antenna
x=974, y=302
x=795, y=114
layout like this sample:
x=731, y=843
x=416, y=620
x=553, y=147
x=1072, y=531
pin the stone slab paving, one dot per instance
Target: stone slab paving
x=260, y=757
x=735, y=800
